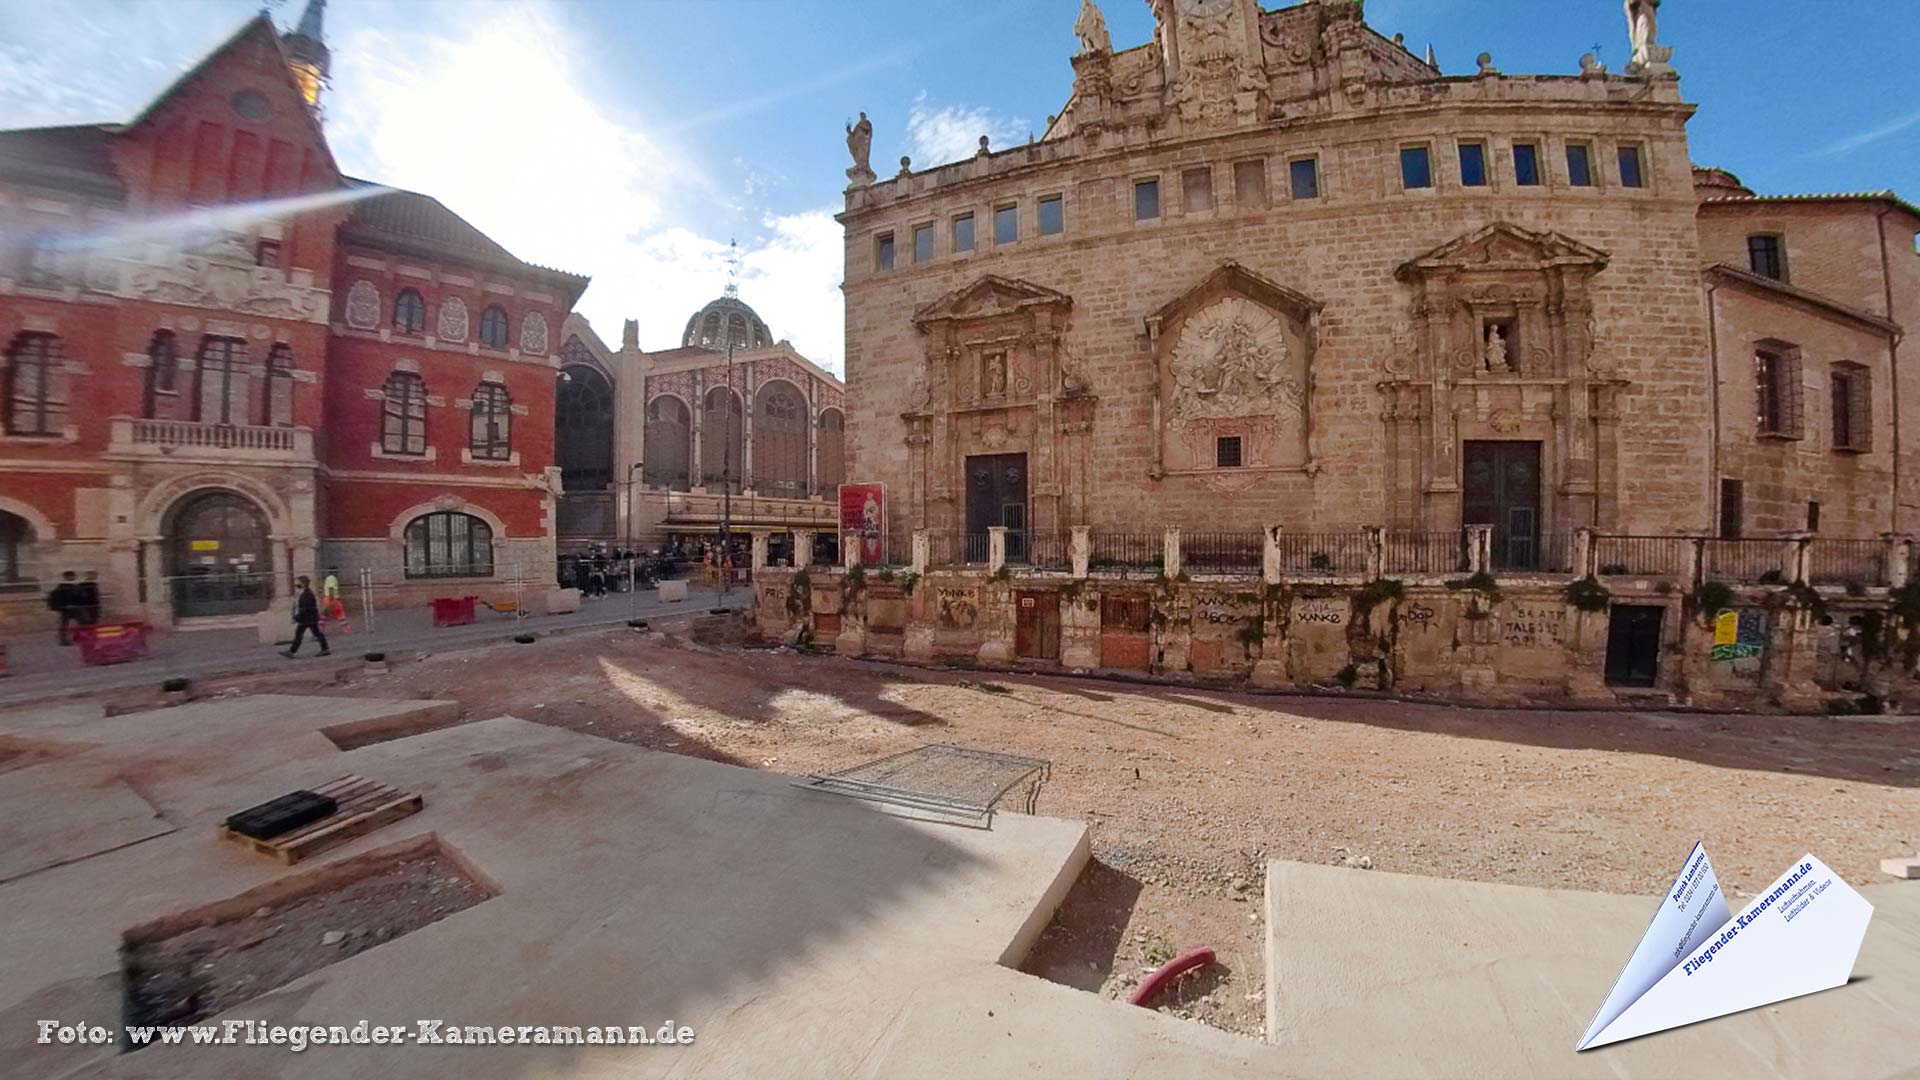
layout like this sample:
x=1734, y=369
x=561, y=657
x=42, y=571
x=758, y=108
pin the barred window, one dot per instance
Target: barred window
x=1767, y=256
x=403, y=424
x=491, y=437
x=278, y=410
x=1776, y=384
x=493, y=328
x=36, y=386
x=449, y=544
x=409, y=312
x=1852, y=403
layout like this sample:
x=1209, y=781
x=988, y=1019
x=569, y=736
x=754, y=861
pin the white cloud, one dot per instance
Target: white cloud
x=505, y=120
x=1854, y=142
x=936, y=136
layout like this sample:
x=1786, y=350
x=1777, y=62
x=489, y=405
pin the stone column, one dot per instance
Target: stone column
x=1170, y=553
x=1793, y=557
x=1376, y=553
x=1899, y=560
x=1270, y=554
x=1479, y=549
x=159, y=604
x=760, y=550
x=996, y=548
x=922, y=550
x=1080, y=551
x=1697, y=563
x=802, y=548
x=1583, y=552
x=850, y=550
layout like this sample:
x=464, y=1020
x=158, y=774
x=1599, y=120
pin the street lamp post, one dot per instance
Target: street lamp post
x=726, y=480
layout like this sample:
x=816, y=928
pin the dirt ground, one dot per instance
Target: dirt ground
x=1189, y=791
x=210, y=969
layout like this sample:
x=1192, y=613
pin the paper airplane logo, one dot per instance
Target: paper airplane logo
x=1698, y=960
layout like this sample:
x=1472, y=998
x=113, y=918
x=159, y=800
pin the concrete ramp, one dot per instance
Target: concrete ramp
x=1373, y=974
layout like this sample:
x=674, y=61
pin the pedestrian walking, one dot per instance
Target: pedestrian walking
x=306, y=618
x=87, y=599
x=64, y=599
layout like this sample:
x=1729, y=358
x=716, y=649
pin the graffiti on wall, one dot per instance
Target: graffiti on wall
x=1533, y=624
x=1739, y=634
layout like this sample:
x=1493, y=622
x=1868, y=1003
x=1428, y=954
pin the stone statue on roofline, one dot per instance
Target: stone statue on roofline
x=1643, y=27
x=1091, y=27
x=860, y=145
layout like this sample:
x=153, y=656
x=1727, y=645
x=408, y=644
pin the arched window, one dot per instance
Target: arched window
x=41, y=265
x=668, y=443
x=780, y=441
x=163, y=377
x=279, y=395
x=723, y=436
x=36, y=386
x=16, y=536
x=830, y=451
x=409, y=312
x=222, y=371
x=583, y=426
x=738, y=335
x=493, y=328
x=449, y=544
x=403, y=414
x=710, y=329
x=491, y=434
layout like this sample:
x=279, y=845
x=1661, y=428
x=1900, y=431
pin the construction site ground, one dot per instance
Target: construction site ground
x=1188, y=792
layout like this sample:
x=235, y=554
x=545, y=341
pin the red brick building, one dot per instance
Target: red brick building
x=223, y=363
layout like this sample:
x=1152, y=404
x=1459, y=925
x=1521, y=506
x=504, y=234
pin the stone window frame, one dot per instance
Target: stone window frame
x=1187, y=174
x=1858, y=407
x=1642, y=155
x=1138, y=181
x=1314, y=158
x=931, y=228
x=993, y=216
x=1587, y=143
x=1266, y=182
x=886, y=253
x=1543, y=174
x=1040, y=217
x=953, y=226
x=1487, y=171
x=1779, y=366
x=1425, y=147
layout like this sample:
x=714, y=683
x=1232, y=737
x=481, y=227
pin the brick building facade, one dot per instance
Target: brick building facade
x=226, y=363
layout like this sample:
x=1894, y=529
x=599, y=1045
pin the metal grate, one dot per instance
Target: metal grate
x=951, y=780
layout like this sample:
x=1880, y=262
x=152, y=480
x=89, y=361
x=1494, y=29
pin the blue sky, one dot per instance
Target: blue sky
x=631, y=140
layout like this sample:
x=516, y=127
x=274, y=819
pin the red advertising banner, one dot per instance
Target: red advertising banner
x=863, y=520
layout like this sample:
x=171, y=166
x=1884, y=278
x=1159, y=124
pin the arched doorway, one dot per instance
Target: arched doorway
x=583, y=428
x=16, y=541
x=220, y=556
x=780, y=441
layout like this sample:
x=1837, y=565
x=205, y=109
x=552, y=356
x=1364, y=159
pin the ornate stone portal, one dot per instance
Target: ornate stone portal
x=1501, y=345
x=1212, y=59
x=1234, y=360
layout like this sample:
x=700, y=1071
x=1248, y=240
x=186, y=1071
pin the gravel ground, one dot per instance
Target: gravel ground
x=1189, y=791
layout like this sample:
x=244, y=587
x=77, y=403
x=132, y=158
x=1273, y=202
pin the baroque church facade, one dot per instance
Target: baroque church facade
x=1272, y=268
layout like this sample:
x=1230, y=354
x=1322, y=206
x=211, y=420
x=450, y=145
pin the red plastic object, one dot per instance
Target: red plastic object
x=453, y=610
x=1152, y=985
x=111, y=643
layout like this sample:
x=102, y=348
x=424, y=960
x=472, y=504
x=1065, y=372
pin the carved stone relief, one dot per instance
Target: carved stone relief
x=363, y=305
x=533, y=334
x=453, y=319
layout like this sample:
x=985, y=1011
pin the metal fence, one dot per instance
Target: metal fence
x=1847, y=562
x=1042, y=549
x=1555, y=554
x=1222, y=552
x=1335, y=554
x=1424, y=552
x=1134, y=553
x=1744, y=562
x=954, y=548
x=1650, y=556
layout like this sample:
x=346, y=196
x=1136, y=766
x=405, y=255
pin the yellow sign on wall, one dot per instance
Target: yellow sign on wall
x=204, y=545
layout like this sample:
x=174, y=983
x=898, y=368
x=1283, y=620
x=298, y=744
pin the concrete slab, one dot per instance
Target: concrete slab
x=47, y=818
x=799, y=933
x=1375, y=974
x=1905, y=869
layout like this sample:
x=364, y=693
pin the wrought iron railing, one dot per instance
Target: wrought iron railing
x=954, y=548
x=1424, y=553
x=1744, y=562
x=1042, y=549
x=1847, y=562
x=1648, y=556
x=1119, y=552
x=1222, y=552
x=1334, y=554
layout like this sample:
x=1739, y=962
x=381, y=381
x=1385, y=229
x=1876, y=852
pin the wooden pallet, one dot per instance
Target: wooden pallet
x=363, y=806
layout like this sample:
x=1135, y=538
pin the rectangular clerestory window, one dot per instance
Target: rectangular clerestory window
x=1196, y=190
x=963, y=232
x=1416, y=168
x=1767, y=256
x=1250, y=183
x=1579, y=165
x=1303, y=175
x=923, y=243
x=1473, y=164
x=1053, y=215
x=1852, y=405
x=1631, y=173
x=1526, y=164
x=1006, y=223
x=883, y=251
x=1146, y=200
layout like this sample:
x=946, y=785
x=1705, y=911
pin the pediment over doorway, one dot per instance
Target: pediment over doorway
x=989, y=296
x=1504, y=246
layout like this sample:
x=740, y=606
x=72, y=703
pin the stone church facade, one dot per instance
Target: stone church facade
x=1274, y=300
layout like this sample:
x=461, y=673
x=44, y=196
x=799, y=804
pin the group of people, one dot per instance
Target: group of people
x=76, y=602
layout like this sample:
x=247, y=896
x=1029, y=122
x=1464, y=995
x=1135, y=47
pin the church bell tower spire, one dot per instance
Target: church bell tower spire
x=307, y=53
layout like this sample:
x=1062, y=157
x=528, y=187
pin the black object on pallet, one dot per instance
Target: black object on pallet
x=281, y=815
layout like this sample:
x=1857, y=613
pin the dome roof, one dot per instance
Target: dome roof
x=727, y=320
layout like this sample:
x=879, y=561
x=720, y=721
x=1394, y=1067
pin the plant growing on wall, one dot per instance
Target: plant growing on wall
x=885, y=575
x=856, y=581
x=1588, y=594
x=1373, y=594
x=1481, y=582
x=1347, y=676
x=908, y=580
x=1709, y=600
x=799, y=594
